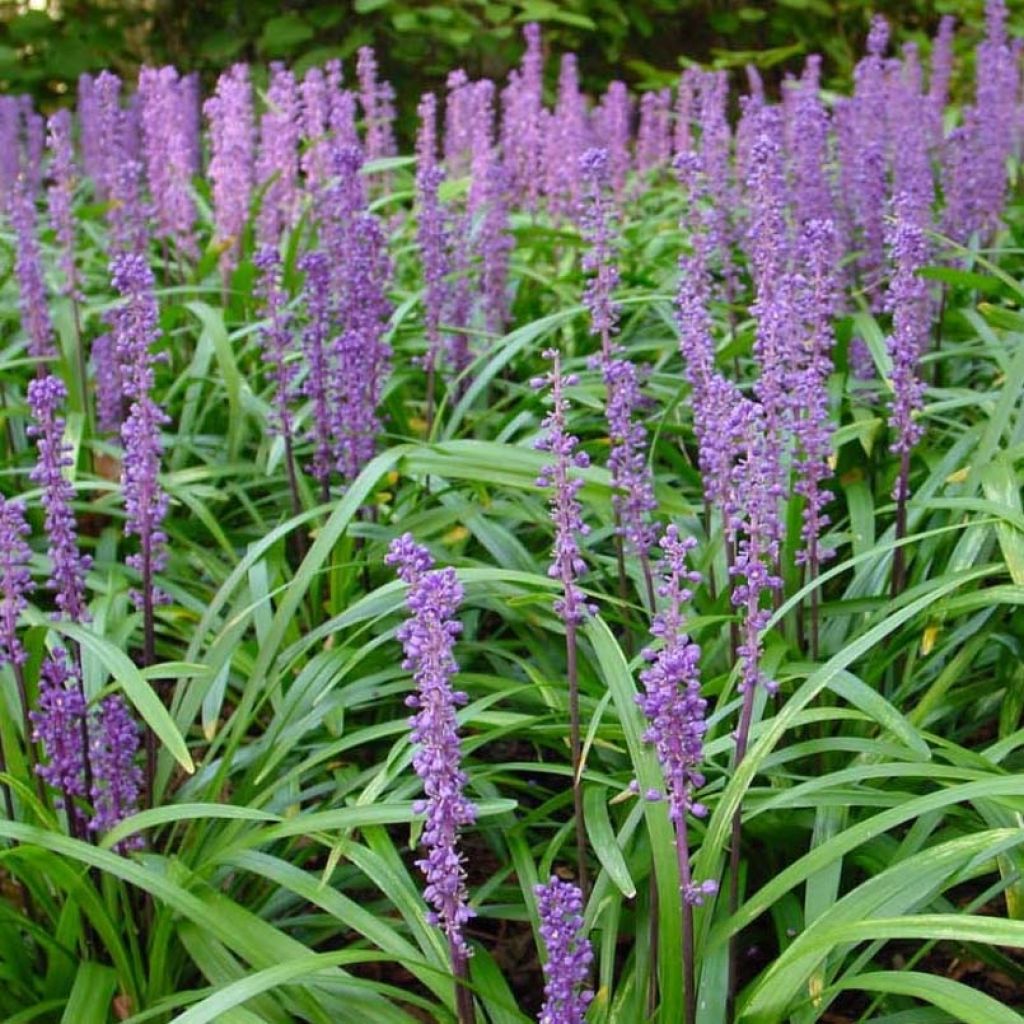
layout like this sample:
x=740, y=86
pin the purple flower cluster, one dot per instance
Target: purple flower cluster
x=277, y=335
x=277, y=165
x=135, y=332
x=60, y=195
x=165, y=115
x=597, y=228
x=58, y=723
x=522, y=139
x=567, y=563
x=314, y=347
x=116, y=777
x=377, y=99
x=46, y=396
x=232, y=142
x=672, y=701
x=431, y=232
x=569, y=956
x=15, y=579
x=911, y=305
x=428, y=638
x=28, y=268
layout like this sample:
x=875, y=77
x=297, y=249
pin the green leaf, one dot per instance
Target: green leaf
x=967, y=1005
x=283, y=34
x=602, y=838
x=91, y=995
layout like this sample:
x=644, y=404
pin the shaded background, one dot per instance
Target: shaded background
x=46, y=44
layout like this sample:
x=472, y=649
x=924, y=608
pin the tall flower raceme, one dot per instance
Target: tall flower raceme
x=489, y=206
x=316, y=293
x=654, y=133
x=685, y=112
x=341, y=109
x=363, y=355
x=569, y=956
x=10, y=147
x=135, y=331
x=28, y=268
x=68, y=567
x=675, y=711
x=117, y=779
x=522, y=138
x=432, y=235
x=771, y=258
x=941, y=73
x=566, y=139
x=15, y=586
x=60, y=196
x=459, y=123
x=232, y=144
x=996, y=91
x=314, y=113
x=377, y=99
x=33, y=143
x=863, y=149
x=812, y=426
x=627, y=459
x=359, y=356
x=277, y=163
x=59, y=724
x=611, y=124
x=718, y=188
x=167, y=154
x=807, y=132
x=910, y=302
x=567, y=563
x=276, y=339
x=428, y=638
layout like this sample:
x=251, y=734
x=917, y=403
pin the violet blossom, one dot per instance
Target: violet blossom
x=428, y=638
x=569, y=956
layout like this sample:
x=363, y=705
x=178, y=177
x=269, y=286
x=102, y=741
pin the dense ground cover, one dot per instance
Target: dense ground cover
x=662, y=455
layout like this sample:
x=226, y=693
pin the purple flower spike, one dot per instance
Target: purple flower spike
x=377, y=100
x=314, y=342
x=278, y=160
x=135, y=332
x=15, y=579
x=566, y=511
x=167, y=153
x=60, y=196
x=46, y=396
x=671, y=699
x=612, y=129
x=596, y=226
x=910, y=301
x=117, y=779
x=428, y=637
x=566, y=996
x=277, y=336
x=431, y=232
x=58, y=725
x=522, y=138
x=28, y=267
x=627, y=460
x=232, y=141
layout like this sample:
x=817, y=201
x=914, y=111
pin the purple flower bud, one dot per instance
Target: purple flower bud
x=569, y=956
x=428, y=638
x=68, y=568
